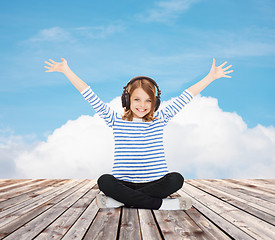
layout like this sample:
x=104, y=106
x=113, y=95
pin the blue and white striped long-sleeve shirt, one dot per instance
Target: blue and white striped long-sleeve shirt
x=139, y=151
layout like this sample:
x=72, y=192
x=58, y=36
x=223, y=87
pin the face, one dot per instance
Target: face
x=140, y=103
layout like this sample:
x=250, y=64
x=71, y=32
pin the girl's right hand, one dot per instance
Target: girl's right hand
x=56, y=66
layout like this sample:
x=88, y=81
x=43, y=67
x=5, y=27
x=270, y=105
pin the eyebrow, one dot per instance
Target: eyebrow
x=139, y=97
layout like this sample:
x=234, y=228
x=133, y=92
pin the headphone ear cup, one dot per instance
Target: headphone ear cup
x=157, y=103
x=125, y=100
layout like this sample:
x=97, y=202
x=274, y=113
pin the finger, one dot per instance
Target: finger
x=49, y=69
x=52, y=61
x=48, y=63
x=63, y=60
x=223, y=64
x=227, y=67
x=228, y=72
x=227, y=76
x=213, y=62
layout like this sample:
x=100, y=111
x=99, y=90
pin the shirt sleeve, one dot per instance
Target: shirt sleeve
x=101, y=108
x=174, y=106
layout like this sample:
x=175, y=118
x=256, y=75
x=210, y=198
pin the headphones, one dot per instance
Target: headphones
x=125, y=98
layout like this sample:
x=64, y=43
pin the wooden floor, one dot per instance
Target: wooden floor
x=66, y=209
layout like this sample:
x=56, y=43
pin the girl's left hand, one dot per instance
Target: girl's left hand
x=218, y=72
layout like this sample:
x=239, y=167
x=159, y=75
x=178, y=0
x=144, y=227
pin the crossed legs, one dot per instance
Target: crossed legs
x=147, y=195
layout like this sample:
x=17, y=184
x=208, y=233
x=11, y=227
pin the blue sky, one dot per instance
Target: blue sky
x=108, y=42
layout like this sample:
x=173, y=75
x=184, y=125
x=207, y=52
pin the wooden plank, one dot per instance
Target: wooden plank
x=54, y=209
x=264, y=184
x=261, y=204
x=254, y=185
x=15, y=186
x=210, y=230
x=79, y=229
x=129, y=227
x=218, y=220
x=25, y=210
x=243, y=204
x=12, y=183
x=149, y=229
x=18, y=184
x=207, y=231
x=4, y=180
x=64, y=222
x=14, y=203
x=39, y=205
x=105, y=225
x=250, y=191
x=244, y=221
x=259, y=198
x=266, y=181
x=26, y=187
x=26, y=216
x=178, y=225
x=36, y=225
x=9, y=182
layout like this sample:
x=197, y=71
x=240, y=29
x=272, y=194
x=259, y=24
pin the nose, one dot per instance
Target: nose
x=141, y=103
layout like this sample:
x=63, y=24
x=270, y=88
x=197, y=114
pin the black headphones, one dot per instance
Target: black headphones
x=125, y=98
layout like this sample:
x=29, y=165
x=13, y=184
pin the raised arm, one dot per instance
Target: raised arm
x=64, y=68
x=215, y=73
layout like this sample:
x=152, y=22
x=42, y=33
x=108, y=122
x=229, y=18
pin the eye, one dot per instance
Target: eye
x=136, y=99
x=149, y=100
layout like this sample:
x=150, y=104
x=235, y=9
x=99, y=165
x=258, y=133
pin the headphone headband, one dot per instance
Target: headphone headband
x=140, y=78
x=125, y=98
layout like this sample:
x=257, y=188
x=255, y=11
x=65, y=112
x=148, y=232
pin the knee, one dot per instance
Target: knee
x=104, y=180
x=178, y=179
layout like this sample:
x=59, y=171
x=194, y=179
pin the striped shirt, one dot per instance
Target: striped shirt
x=139, y=151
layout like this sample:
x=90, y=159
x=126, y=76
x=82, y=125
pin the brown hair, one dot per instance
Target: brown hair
x=149, y=88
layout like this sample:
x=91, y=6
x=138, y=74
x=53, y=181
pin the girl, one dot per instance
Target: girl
x=140, y=176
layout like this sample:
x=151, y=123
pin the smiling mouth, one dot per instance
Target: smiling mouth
x=141, y=110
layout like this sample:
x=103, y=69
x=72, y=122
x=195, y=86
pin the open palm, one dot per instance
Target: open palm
x=218, y=72
x=56, y=66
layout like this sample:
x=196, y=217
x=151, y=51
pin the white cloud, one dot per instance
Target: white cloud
x=54, y=34
x=250, y=42
x=165, y=11
x=78, y=149
x=211, y=143
x=99, y=32
x=201, y=142
x=12, y=146
x=59, y=34
x=82, y=148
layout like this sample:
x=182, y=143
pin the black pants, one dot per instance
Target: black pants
x=147, y=195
